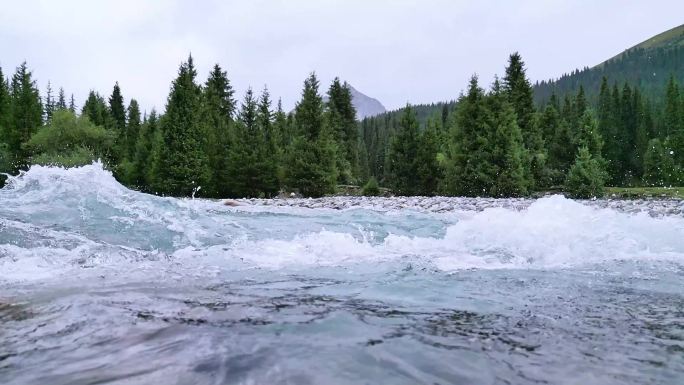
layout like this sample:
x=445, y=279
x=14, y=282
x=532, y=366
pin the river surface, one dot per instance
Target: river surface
x=103, y=285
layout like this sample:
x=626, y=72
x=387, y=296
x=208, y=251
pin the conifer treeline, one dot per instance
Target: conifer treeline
x=494, y=142
x=203, y=145
x=500, y=143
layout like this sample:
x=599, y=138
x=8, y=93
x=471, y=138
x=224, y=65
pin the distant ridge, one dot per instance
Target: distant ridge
x=648, y=64
x=671, y=38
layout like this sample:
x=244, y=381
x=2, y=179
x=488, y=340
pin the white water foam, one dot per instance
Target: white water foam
x=86, y=205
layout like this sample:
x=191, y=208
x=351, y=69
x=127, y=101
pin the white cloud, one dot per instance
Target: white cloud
x=396, y=51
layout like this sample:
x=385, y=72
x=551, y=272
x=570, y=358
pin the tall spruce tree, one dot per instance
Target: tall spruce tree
x=589, y=136
x=428, y=168
x=587, y=176
x=26, y=114
x=672, y=119
x=72, y=104
x=182, y=159
x=403, y=155
x=579, y=106
x=116, y=121
x=266, y=147
x=281, y=128
x=143, y=157
x=311, y=163
x=117, y=110
x=49, y=105
x=218, y=108
x=520, y=95
x=506, y=147
x=659, y=165
x=132, y=131
x=94, y=108
x=469, y=171
x=608, y=123
x=61, y=100
x=5, y=155
x=252, y=160
x=341, y=118
x=557, y=138
x=4, y=107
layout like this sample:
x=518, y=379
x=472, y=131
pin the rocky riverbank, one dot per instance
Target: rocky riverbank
x=655, y=207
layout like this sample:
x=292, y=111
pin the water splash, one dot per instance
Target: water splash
x=61, y=220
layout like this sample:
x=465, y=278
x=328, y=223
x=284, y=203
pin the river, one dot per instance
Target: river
x=100, y=284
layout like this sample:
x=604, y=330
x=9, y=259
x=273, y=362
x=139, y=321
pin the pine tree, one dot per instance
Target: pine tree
x=5, y=155
x=586, y=178
x=281, y=128
x=588, y=135
x=520, y=95
x=265, y=145
x=218, y=110
x=182, y=159
x=253, y=158
x=506, y=147
x=61, y=101
x=4, y=108
x=311, y=159
x=557, y=139
x=283, y=135
x=659, y=165
x=153, y=165
x=132, y=131
x=126, y=170
x=608, y=127
x=588, y=175
x=143, y=157
x=428, y=169
x=72, y=104
x=49, y=104
x=341, y=118
x=469, y=171
x=561, y=150
x=672, y=118
x=117, y=110
x=403, y=155
x=309, y=111
x=579, y=106
x=26, y=114
x=94, y=108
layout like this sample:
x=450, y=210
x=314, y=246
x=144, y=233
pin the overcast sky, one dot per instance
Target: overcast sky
x=397, y=51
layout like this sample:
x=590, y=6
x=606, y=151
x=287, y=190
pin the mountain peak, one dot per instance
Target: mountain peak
x=365, y=105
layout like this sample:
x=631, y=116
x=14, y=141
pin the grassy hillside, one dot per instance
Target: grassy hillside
x=647, y=65
x=671, y=38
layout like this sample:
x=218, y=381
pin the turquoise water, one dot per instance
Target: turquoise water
x=101, y=284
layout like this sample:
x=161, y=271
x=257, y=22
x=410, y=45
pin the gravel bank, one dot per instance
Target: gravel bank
x=655, y=207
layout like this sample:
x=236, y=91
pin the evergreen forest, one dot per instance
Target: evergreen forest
x=502, y=138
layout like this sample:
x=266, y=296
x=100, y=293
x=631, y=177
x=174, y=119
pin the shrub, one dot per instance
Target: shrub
x=586, y=178
x=371, y=188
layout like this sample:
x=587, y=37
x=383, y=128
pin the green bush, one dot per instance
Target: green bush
x=76, y=157
x=371, y=188
x=69, y=141
x=586, y=178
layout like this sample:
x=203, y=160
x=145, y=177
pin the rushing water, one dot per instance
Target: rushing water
x=101, y=284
